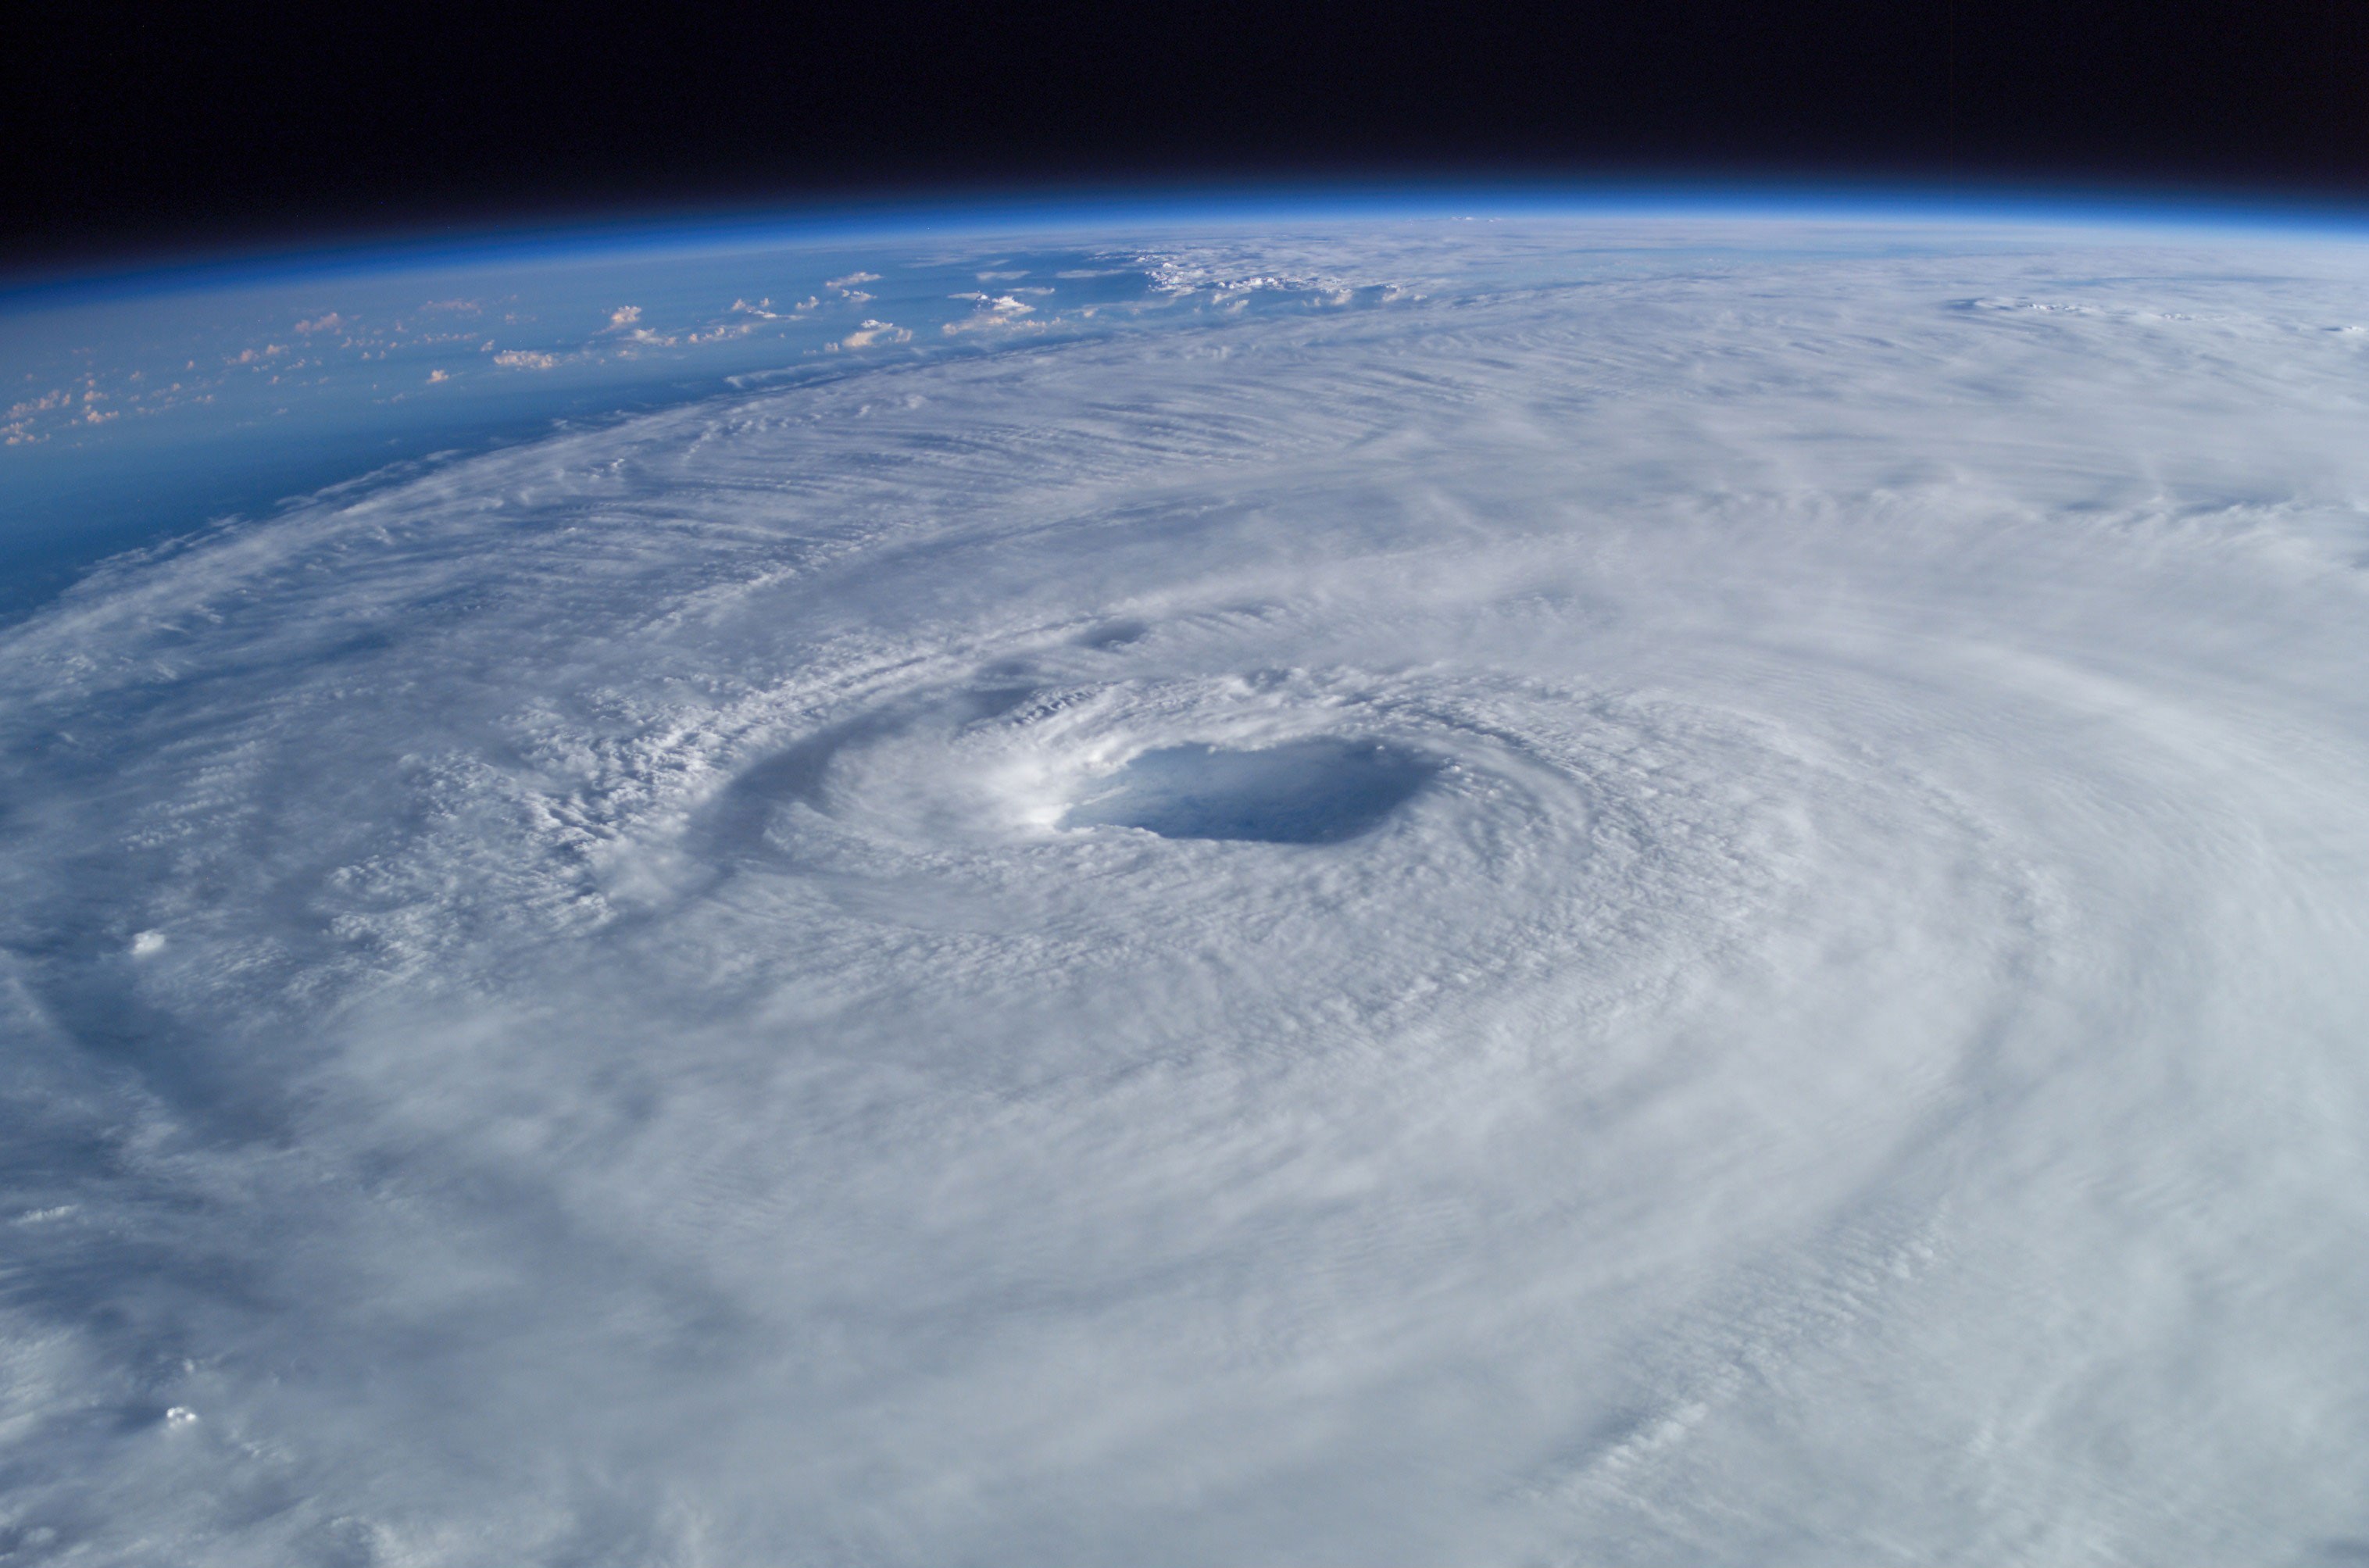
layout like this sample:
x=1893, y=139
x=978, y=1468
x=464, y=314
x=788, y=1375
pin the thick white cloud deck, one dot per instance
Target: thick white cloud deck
x=1614, y=892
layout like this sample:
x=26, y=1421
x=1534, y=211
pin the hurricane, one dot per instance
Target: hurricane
x=1585, y=889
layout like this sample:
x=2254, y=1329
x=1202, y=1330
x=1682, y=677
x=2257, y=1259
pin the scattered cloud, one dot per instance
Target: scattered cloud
x=998, y=310
x=41, y=405
x=873, y=332
x=524, y=359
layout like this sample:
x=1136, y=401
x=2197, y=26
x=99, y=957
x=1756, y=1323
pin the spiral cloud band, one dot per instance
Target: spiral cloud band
x=1594, y=892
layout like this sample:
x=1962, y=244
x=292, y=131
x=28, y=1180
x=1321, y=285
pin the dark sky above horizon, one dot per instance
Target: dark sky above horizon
x=129, y=128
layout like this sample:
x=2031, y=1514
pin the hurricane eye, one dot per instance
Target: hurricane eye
x=1303, y=791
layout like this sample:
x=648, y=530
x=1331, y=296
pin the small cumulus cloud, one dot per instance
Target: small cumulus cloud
x=435, y=376
x=523, y=359
x=1000, y=310
x=875, y=332
x=626, y=319
x=332, y=322
x=42, y=404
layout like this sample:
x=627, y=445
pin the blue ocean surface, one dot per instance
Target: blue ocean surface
x=142, y=410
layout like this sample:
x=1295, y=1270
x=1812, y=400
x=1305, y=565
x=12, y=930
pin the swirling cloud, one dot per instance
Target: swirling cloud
x=1698, y=907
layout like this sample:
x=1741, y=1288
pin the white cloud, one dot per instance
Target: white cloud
x=54, y=399
x=1001, y=311
x=873, y=332
x=683, y=1038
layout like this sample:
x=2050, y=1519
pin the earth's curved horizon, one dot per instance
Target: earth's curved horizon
x=1295, y=884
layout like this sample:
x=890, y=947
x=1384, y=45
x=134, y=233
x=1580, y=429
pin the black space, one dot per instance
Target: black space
x=127, y=129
